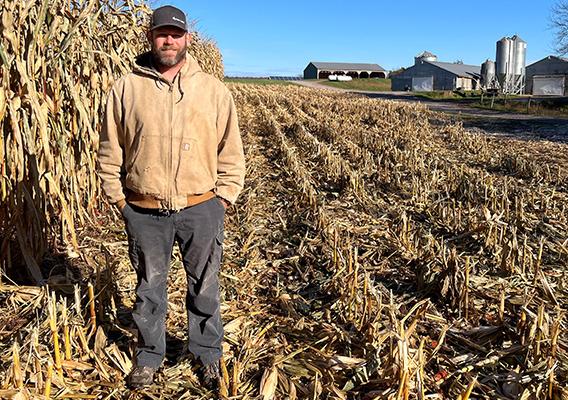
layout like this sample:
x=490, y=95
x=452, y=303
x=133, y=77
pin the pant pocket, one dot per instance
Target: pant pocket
x=220, y=203
x=125, y=211
x=133, y=252
x=220, y=237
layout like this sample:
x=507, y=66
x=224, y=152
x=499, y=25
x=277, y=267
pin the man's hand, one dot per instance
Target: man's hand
x=120, y=205
x=225, y=203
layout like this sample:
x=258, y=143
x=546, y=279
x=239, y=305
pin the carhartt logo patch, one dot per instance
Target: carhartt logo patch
x=186, y=146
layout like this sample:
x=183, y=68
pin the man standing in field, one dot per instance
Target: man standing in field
x=171, y=159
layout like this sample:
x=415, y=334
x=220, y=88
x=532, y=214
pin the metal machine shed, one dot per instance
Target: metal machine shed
x=548, y=77
x=434, y=75
x=321, y=70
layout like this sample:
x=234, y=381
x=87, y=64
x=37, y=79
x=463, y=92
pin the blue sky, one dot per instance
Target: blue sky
x=280, y=38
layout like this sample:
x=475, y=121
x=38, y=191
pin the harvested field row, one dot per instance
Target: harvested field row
x=377, y=252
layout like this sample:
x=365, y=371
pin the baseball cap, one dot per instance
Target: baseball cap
x=168, y=16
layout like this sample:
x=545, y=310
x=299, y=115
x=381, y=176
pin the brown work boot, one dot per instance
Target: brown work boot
x=141, y=376
x=211, y=375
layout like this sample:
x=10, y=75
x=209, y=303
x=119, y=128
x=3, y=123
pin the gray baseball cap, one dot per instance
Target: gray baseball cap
x=168, y=16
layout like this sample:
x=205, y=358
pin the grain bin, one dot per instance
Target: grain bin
x=510, y=64
x=488, y=74
x=503, y=59
x=425, y=56
x=520, y=54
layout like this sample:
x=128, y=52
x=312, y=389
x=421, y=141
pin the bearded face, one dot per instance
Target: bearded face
x=169, y=46
x=168, y=56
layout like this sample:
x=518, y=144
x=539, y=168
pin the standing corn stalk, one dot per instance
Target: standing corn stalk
x=58, y=60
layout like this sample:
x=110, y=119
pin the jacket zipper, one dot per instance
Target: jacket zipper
x=171, y=154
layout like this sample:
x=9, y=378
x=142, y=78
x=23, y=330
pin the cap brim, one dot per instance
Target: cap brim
x=172, y=25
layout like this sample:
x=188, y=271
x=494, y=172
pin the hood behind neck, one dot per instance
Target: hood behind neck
x=144, y=64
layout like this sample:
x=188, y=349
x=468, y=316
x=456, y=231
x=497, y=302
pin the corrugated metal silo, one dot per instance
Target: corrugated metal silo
x=503, y=58
x=488, y=73
x=425, y=56
x=510, y=64
x=520, y=53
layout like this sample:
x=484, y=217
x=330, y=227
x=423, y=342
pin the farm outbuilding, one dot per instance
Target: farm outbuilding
x=429, y=74
x=321, y=70
x=548, y=77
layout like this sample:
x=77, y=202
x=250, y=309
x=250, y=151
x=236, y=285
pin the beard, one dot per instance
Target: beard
x=164, y=60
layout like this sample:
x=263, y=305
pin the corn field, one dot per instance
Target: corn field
x=378, y=250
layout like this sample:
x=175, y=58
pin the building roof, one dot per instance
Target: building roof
x=461, y=70
x=563, y=59
x=347, y=66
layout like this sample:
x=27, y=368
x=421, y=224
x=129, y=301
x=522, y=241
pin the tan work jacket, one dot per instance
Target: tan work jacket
x=170, y=141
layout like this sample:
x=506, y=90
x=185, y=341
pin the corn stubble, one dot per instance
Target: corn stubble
x=422, y=241
x=378, y=251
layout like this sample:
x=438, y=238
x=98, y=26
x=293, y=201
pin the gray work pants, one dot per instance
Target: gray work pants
x=198, y=230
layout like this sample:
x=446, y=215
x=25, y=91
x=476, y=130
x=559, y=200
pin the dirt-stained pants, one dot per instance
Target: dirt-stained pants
x=198, y=230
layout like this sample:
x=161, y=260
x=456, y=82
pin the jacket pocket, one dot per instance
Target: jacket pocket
x=194, y=170
x=147, y=169
x=135, y=151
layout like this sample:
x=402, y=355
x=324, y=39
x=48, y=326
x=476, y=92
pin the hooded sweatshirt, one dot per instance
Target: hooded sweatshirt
x=170, y=140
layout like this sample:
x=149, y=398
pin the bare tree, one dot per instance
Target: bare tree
x=559, y=22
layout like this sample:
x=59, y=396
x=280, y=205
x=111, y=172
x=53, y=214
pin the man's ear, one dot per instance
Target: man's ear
x=188, y=37
x=149, y=36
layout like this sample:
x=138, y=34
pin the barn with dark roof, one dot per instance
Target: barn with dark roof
x=321, y=70
x=548, y=77
x=428, y=74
